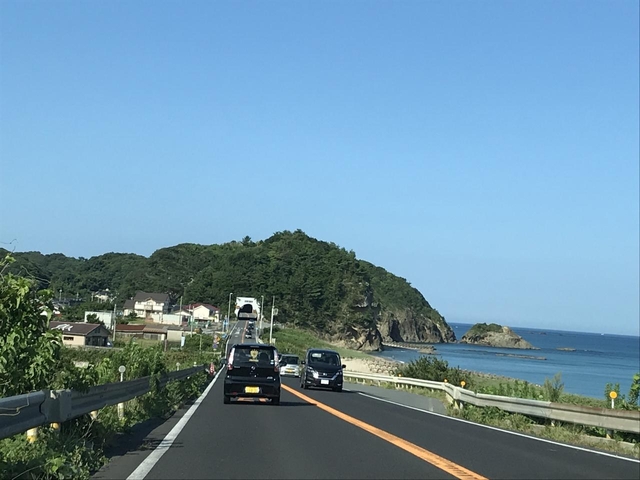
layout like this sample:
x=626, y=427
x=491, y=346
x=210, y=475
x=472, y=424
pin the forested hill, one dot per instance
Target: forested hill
x=317, y=284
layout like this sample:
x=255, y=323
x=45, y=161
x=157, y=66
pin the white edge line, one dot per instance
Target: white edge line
x=148, y=463
x=501, y=430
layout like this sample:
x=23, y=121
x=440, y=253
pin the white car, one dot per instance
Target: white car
x=289, y=365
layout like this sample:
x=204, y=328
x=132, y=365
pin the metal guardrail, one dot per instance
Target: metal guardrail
x=22, y=412
x=620, y=420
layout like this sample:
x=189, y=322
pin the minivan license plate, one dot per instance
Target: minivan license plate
x=324, y=382
x=251, y=389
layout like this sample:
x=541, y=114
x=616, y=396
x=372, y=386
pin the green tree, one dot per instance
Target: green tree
x=28, y=349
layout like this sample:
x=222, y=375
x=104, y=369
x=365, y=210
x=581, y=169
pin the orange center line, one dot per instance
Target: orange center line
x=442, y=463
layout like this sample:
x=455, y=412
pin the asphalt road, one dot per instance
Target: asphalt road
x=236, y=335
x=323, y=434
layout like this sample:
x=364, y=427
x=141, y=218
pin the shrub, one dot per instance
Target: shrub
x=553, y=388
x=433, y=368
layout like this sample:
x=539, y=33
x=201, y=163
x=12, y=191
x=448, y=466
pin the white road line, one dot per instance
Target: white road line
x=148, y=463
x=501, y=430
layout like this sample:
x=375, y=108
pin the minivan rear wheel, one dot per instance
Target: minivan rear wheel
x=227, y=399
x=275, y=401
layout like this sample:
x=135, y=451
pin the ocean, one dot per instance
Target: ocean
x=595, y=359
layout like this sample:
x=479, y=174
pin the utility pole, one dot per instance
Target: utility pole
x=271, y=328
x=115, y=322
x=193, y=317
x=261, y=313
x=229, y=311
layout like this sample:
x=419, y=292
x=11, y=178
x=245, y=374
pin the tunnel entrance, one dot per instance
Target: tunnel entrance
x=246, y=308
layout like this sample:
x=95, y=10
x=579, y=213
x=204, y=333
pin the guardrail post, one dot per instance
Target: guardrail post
x=121, y=411
x=55, y=426
x=94, y=415
x=32, y=434
x=57, y=406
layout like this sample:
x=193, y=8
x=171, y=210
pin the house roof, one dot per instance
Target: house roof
x=184, y=309
x=130, y=328
x=129, y=304
x=210, y=307
x=199, y=304
x=156, y=297
x=74, y=328
x=151, y=329
x=174, y=327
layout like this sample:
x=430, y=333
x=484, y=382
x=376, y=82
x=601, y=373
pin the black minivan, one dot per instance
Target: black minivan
x=322, y=368
x=252, y=371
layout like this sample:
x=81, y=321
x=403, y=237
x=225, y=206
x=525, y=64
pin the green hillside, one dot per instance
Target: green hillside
x=317, y=285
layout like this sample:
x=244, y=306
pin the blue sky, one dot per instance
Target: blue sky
x=488, y=152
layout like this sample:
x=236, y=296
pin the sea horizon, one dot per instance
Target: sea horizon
x=514, y=327
x=586, y=360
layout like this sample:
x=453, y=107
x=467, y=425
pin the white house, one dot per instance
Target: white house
x=205, y=311
x=146, y=304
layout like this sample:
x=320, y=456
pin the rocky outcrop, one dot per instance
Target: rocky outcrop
x=494, y=335
x=358, y=338
x=407, y=326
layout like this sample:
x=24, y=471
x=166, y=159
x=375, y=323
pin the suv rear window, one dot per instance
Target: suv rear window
x=246, y=356
x=290, y=360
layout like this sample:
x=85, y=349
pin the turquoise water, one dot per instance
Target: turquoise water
x=597, y=359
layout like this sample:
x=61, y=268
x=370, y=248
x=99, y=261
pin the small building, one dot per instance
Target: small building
x=129, y=331
x=146, y=304
x=202, y=312
x=149, y=332
x=76, y=334
x=174, y=333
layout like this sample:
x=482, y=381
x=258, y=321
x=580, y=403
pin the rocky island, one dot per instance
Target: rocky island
x=494, y=335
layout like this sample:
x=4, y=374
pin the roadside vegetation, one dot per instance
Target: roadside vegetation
x=435, y=369
x=32, y=358
x=297, y=341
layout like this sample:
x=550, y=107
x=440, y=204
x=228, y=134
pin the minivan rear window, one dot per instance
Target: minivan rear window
x=244, y=356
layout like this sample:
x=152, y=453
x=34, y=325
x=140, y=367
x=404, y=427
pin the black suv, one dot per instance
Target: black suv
x=322, y=368
x=252, y=371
